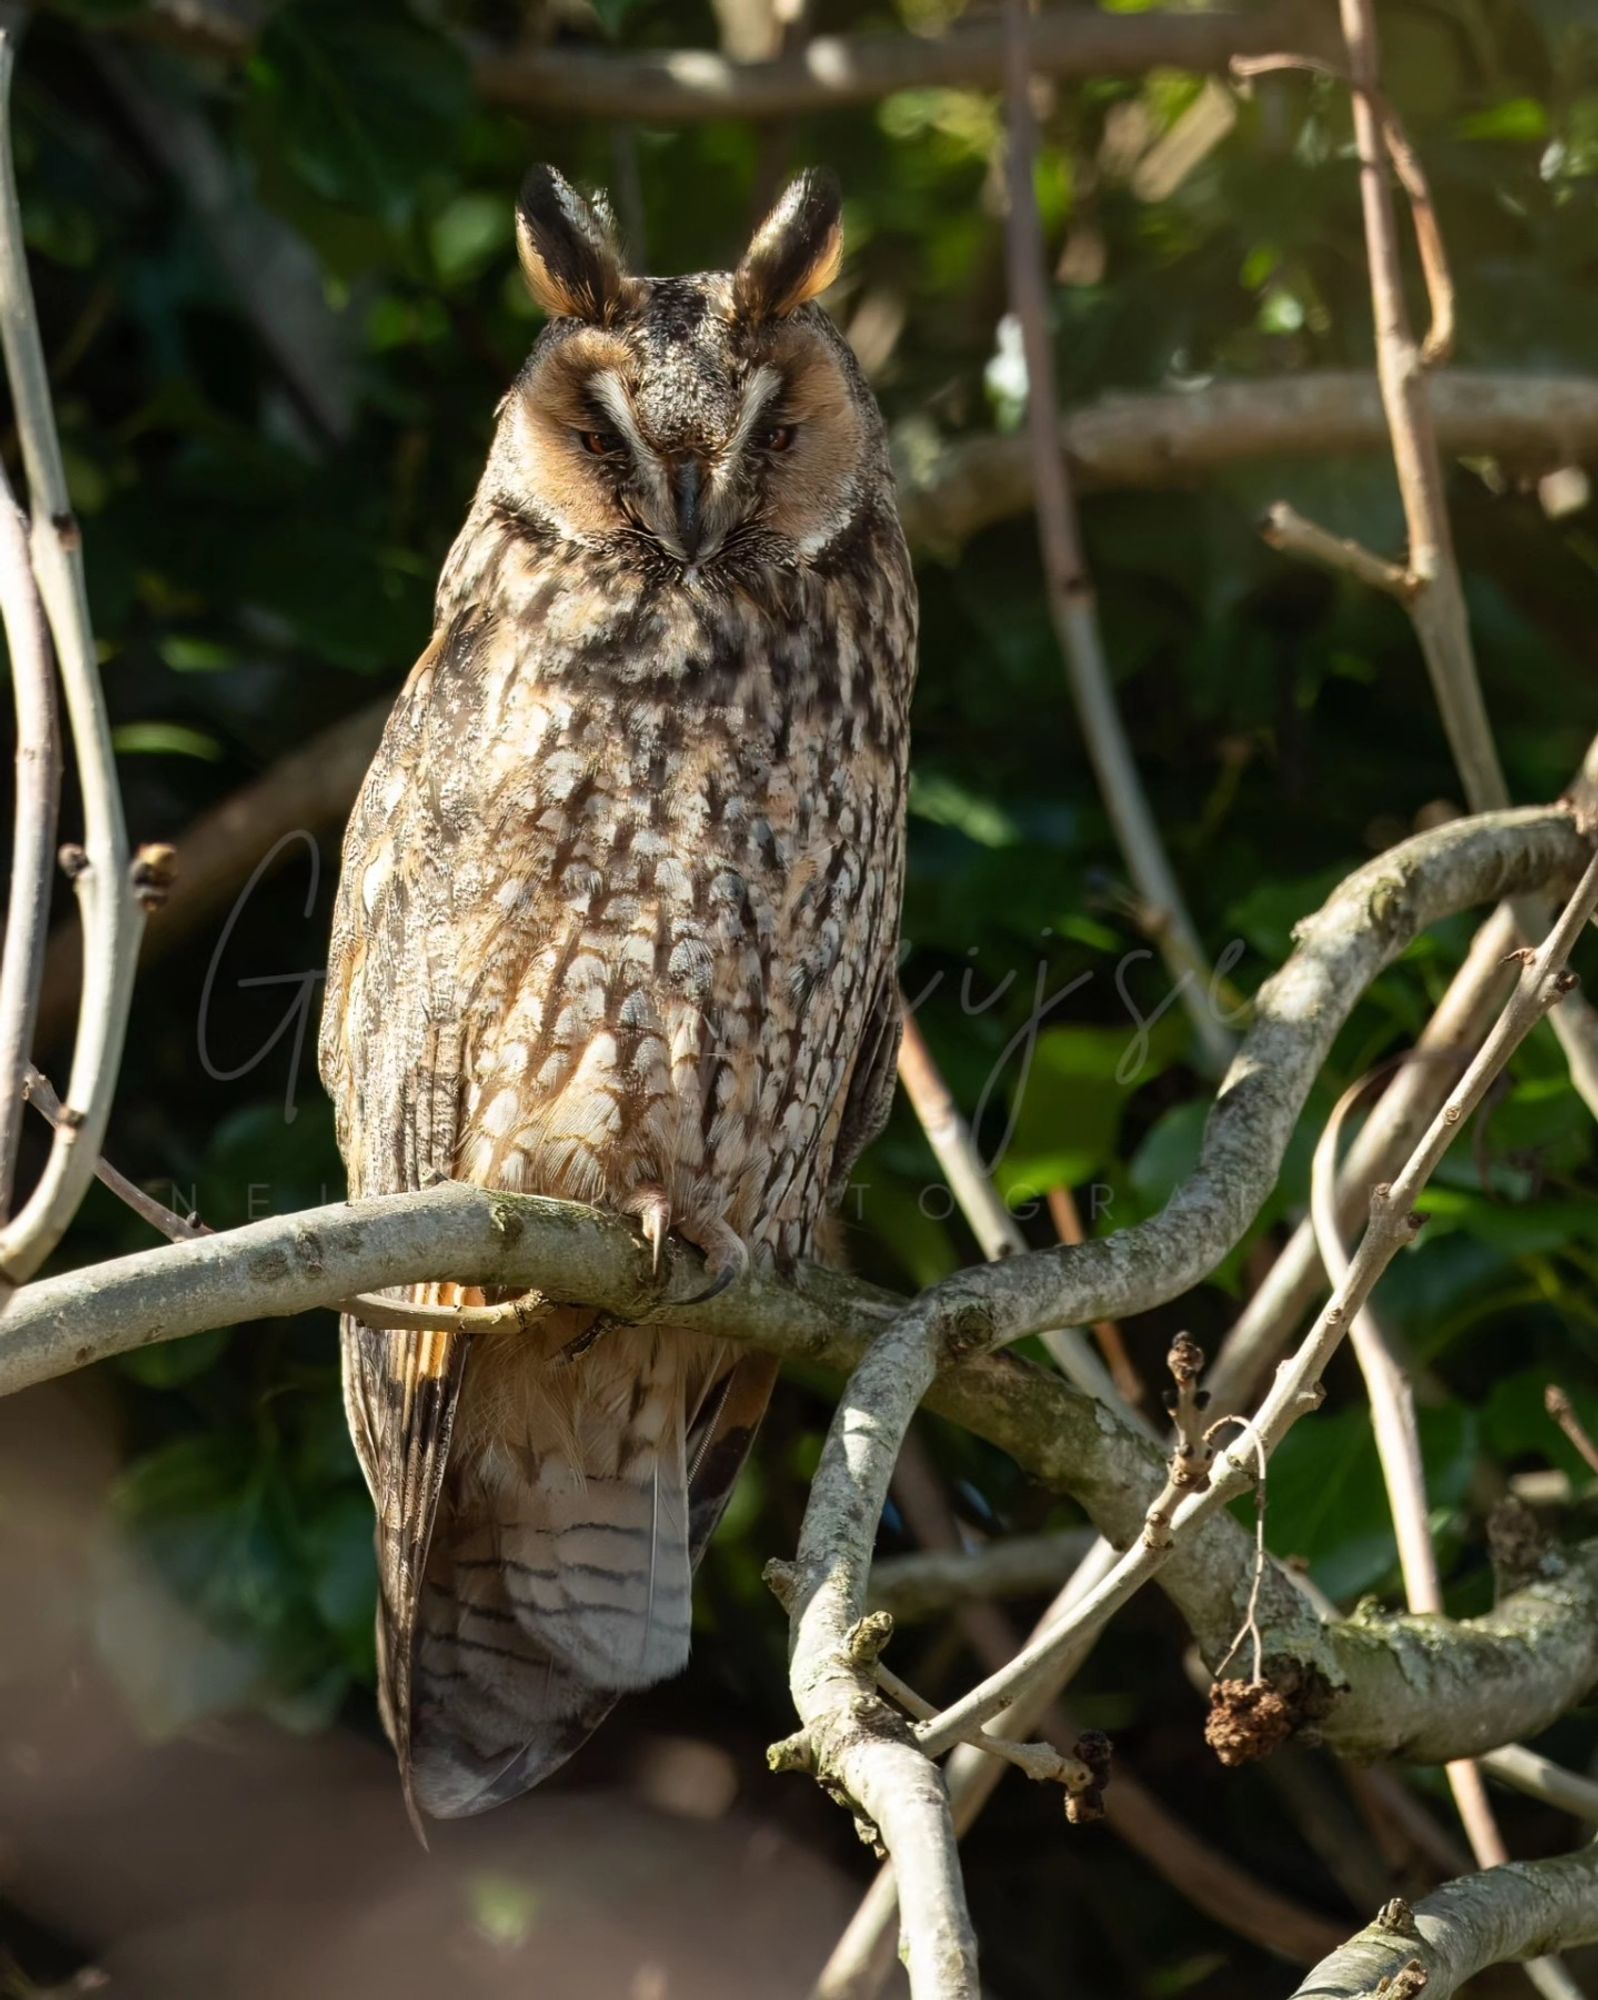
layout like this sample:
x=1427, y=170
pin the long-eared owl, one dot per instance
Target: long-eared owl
x=618, y=923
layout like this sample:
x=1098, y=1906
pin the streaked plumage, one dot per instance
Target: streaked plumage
x=618, y=921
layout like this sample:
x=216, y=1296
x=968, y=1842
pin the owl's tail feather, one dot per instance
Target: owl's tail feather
x=560, y=1571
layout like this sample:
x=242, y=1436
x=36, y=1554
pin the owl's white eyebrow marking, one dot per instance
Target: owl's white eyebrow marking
x=609, y=389
x=763, y=385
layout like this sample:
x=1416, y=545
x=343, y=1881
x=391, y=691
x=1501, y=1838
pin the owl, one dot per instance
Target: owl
x=618, y=923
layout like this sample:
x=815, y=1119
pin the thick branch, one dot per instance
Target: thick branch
x=685, y=86
x=1523, y=1664
x=1530, y=422
x=1525, y=1909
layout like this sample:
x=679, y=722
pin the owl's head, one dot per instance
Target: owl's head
x=687, y=423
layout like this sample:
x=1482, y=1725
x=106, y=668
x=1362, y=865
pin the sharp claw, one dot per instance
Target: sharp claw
x=652, y=1206
x=726, y=1260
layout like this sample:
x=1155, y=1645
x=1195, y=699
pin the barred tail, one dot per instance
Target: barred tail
x=560, y=1571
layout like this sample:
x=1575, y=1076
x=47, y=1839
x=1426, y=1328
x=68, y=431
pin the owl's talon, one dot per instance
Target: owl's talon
x=652, y=1206
x=726, y=1259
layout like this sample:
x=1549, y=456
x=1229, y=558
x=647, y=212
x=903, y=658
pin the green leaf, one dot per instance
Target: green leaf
x=1068, y=1102
x=1326, y=1502
x=165, y=739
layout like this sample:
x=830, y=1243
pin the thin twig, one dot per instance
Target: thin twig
x=41, y=1094
x=929, y=1581
x=1286, y=529
x=38, y=799
x=955, y=1148
x=1406, y=162
x=1067, y=1220
x=1072, y=602
x=1535, y=1775
x=1561, y=1409
x=107, y=899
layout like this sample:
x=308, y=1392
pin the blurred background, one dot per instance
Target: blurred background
x=275, y=272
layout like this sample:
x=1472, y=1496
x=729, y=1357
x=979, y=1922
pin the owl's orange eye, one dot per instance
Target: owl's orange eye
x=603, y=444
x=779, y=437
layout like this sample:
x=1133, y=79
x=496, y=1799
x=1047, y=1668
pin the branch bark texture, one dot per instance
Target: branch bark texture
x=1525, y=1909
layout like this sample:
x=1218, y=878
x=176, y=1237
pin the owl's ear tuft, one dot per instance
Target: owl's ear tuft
x=796, y=251
x=568, y=251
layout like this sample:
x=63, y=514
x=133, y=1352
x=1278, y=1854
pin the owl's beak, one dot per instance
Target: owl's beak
x=688, y=493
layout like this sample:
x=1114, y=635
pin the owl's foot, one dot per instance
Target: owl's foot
x=652, y=1206
x=726, y=1257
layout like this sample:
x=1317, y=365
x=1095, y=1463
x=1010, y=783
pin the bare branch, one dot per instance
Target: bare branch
x=1286, y=529
x=1561, y=1409
x=174, y=1227
x=1531, y=423
x=1073, y=605
x=1522, y=1910
x=38, y=800
x=1438, y=607
x=1539, y=1778
x=112, y=917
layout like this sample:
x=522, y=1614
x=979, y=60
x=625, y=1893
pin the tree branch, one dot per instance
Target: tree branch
x=1524, y=1909
x=921, y=1585
x=37, y=805
x=949, y=492
x=110, y=909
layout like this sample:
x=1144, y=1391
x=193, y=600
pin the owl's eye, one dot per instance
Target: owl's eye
x=778, y=438
x=603, y=444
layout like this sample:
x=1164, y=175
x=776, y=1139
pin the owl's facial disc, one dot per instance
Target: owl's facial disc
x=686, y=417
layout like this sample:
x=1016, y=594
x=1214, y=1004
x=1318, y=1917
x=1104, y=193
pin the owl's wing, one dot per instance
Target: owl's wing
x=400, y=1394
x=719, y=1442
x=391, y=1060
x=869, y=1096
